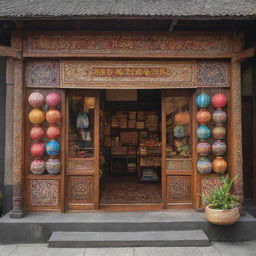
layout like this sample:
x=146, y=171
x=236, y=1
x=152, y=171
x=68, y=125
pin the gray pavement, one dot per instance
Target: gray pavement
x=216, y=249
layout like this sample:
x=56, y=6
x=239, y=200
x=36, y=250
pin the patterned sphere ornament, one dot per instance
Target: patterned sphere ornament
x=53, y=99
x=36, y=133
x=53, y=166
x=219, y=132
x=53, y=132
x=204, y=165
x=37, y=149
x=203, y=100
x=203, y=148
x=219, y=148
x=53, y=148
x=36, y=99
x=219, y=100
x=219, y=116
x=219, y=165
x=203, y=116
x=182, y=117
x=179, y=131
x=36, y=116
x=203, y=132
x=37, y=166
x=53, y=116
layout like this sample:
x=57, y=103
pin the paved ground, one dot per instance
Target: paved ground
x=217, y=249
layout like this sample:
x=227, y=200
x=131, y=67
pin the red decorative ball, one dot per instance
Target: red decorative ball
x=36, y=133
x=53, y=116
x=37, y=149
x=53, y=99
x=219, y=100
x=53, y=132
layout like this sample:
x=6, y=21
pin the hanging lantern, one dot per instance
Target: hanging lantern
x=179, y=131
x=219, y=100
x=36, y=133
x=182, y=117
x=219, y=116
x=53, y=148
x=36, y=99
x=219, y=165
x=203, y=132
x=203, y=100
x=53, y=166
x=53, y=132
x=53, y=99
x=219, y=148
x=37, y=149
x=219, y=132
x=203, y=148
x=53, y=116
x=37, y=166
x=204, y=165
x=89, y=102
x=203, y=116
x=36, y=116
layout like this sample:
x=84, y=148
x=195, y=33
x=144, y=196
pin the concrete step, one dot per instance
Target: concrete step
x=128, y=239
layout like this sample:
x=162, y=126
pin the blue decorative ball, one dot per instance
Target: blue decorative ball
x=53, y=148
x=203, y=100
x=203, y=132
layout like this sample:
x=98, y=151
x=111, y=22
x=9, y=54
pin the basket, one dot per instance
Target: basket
x=129, y=137
x=119, y=150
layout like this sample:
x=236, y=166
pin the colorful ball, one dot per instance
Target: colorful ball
x=53, y=166
x=203, y=100
x=182, y=117
x=204, y=165
x=219, y=132
x=179, y=131
x=203, y=116
x=203, y=132
x=219, y=116
x=219, y=148
x=36, y=99
x=36, y=116
x=37, y=166
x=53, y=148
x=36, y=133
x=203, y=148
x=219, y=100
x=53, y=116
x=53, y=99
x=37, y=149
x=219, y=165
x=53, y=132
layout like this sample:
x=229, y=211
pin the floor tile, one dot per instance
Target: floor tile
x=109, y=251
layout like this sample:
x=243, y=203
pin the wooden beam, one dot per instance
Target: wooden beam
x=10, y=52
x=246, y=54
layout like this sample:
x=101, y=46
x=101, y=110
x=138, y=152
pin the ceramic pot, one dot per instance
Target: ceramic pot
x=53, y=99
x=37, y=149
x=219, y=148
x=53, y=166
x=182, y=117
x=204, y=165
x=53, y=148
x=219, y=165
x=219, y=132
x=203, y=116
x=203, y=148
x=179, y=131
x=53, y=116
x=36, y=116
x=53, y=132
x=37, y=166
x=203, y=132
x=203, y=100
x=219, y=100
x=219, y=116
x=36, y=99
x=36, y=133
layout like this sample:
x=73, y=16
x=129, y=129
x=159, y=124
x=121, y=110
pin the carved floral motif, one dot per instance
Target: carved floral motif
x=179, y=165
x=80, y=165
x=179, y=188
x=209, y=183
x=81, y=188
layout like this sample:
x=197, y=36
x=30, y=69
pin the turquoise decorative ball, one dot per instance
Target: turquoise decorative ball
x=203, y=132
x=179, y=131
x=203, y=100
x=53, y=148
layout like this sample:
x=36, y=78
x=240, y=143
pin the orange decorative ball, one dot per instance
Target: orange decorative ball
x=182, y=117
x=219, y=165
x=53, y=132
x=203, y=116
x=36, y=116
x=53, y=116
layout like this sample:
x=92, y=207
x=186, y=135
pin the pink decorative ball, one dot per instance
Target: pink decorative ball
x=219, y=100
x=53, y=116
x=36, y=99
x=37, y=149
x=53, y=132
x=37, y=166
x=36, y=133
x=53, y=99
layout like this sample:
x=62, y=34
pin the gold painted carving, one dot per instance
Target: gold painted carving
x=80, y=165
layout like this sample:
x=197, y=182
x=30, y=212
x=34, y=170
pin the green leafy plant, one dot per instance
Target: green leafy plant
x=221, y=198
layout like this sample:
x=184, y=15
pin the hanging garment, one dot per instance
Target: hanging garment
x=82, y=121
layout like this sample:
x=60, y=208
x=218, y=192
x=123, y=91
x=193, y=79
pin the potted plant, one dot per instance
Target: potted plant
x=221, y=204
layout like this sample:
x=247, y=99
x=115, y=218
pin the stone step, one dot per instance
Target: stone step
x=128, y=239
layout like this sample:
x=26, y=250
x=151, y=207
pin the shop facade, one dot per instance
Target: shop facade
x=63, y=95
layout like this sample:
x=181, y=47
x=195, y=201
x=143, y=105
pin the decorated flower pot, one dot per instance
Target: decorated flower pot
x=53, y=99
x=219, y=148
x=36, y=116
x=203, y=132
x=36, y=99
x=203, y=116
x=204, y=165
x=182, y=117
x=203, y=100
x=179, y=131
x=36, y=133
x=53, y=148
x=53, y=132
x=219, y=100
x=219, y=132
x=37, y=166
x=53, y=166
x=219, y=165
x=37, y=149
x=219, y=116
x=53, y=116
x=203, y=148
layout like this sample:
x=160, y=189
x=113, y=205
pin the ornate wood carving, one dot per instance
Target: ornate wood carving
x=209, y=183
x=80, y=165
x=42, y=74
x=179, y=188
x=10, y=52
x=179, y=165
x=43, y=193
